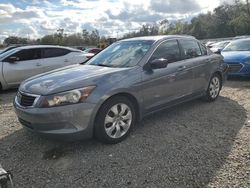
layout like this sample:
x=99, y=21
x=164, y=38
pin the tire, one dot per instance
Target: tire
x=214, y=87
x=114, y=120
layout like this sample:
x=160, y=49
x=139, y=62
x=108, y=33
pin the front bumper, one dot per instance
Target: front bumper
x=70, y=122
x=225, y=72
x=244, y=70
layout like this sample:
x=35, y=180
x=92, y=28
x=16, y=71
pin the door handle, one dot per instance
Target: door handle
x=38, y=64
x=181, y=68
x=66, y=60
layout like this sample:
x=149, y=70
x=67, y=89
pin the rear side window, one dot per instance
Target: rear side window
x=190, y=48
x=54, y=52
x=27, y=54
x=168, y=50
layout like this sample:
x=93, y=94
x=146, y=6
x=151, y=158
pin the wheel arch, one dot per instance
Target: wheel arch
x=129, y=96
x=219, y=73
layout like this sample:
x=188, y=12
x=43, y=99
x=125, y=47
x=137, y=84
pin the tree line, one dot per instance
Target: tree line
x=227, y=20
x=61, y=38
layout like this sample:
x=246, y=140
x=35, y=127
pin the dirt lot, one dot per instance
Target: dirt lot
x=196, y=144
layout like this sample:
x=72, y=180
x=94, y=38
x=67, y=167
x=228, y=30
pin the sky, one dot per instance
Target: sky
x=36, y=18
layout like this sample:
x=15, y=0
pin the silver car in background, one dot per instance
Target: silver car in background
x=20, y=63
x=119, y=86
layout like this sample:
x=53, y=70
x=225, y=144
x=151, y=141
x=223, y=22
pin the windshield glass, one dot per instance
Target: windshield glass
x=243, y=45
x=5, y=54
x=122, y=54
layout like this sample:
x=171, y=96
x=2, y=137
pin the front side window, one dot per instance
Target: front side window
x=54, y=52
x=190, y=48
x=167, y=50
x=122, y=54
x=7, y=54
x=26, y=55
x=203, y=49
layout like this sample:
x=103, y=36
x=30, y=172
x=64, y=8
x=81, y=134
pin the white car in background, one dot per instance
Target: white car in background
x=219, y=46
x=21, y=63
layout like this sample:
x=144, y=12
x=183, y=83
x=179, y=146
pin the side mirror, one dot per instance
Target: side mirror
x=13, y=59
x=218, y=51
x=158, y=63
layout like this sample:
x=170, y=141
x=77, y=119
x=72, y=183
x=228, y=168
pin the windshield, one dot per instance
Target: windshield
x=5, y=54
x=122, y=54
x=243, y=45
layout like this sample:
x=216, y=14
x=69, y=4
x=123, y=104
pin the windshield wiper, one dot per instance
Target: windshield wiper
x=104, y=65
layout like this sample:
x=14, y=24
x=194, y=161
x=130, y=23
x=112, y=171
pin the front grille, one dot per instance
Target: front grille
x=25, y=100
x=234, y=67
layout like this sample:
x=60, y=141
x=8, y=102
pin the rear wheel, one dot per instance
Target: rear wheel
x=214, y=88
x=114, y=120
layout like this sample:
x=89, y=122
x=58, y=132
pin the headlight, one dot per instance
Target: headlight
x=247, y=62
x=67, y=97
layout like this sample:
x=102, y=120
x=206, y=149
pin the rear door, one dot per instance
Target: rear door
x=161, y=86
x=54, y=58
x=196, y=56
x=28, y=64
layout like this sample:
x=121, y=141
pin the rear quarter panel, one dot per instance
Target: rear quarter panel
x=217, y=65
x=76, y=57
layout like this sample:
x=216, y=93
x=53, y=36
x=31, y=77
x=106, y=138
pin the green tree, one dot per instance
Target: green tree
x=15, y=40
x=48, y=39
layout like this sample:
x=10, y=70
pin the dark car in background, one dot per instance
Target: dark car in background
x=119, y=86
x=91, y=52
x=237, y=56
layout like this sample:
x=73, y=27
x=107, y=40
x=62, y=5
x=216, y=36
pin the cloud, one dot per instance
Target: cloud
x=7, y=7
x=135, y=15
x=36, y=18
x=175, y=6
x=9, y=14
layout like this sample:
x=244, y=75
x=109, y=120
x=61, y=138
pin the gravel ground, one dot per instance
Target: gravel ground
x=196, y=144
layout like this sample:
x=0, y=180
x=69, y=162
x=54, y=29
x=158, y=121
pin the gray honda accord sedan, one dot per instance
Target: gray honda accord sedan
x=118, y=87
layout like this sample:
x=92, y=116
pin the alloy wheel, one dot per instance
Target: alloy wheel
x=214, y=87
x=118, y=120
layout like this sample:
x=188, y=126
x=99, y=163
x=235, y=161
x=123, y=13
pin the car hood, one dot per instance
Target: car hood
x=236, y=56
x=67, y=78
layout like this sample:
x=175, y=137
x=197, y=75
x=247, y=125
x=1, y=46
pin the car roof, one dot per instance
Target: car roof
x=240, y=40
x=46, y=46
x=245, y=39
x=159, y=37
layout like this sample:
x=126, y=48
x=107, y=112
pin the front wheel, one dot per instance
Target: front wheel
x=214, y=88
x=114, y=120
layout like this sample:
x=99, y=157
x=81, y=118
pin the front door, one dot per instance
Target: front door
x=27, y=64
x=161, y=86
